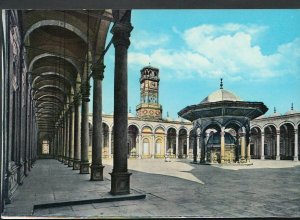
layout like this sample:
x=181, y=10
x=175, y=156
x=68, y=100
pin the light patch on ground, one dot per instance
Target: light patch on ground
x=157, y=166
x=262, y=164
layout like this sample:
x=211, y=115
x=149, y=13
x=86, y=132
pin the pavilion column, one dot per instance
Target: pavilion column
x=109, y=143
x=243, y=145
x=223, y=145
x=262, y=150
x=296, y=146
x=195, y=147
x=61, y=142
x=177, y=147
x=120, y=178
x=84, y=163
x=248, y=152
x=277, y=144
x=71, y=137
x=67, y=138
x=76, y=160
x=96, y=166
x=187, y=146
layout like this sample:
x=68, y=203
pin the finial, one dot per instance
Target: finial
x=221, y=83
x=149, y=64
x=129, y=109
x=167, y=114
x=292, y=107
x=274, y=109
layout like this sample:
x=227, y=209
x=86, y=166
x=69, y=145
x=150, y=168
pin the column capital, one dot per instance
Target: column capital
x=121, y=33
x=277, y=132
x=85, y=91
x=262, y=133
x=296, y=131
x=98, y=71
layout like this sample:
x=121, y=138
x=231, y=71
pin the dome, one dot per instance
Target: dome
x=131, y=115
x=292, y=111
x=215, y=139
x=221, y=95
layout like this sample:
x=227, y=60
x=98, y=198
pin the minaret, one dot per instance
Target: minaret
x=149, y=107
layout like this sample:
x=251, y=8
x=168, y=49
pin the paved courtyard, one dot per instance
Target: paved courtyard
x=173, y=189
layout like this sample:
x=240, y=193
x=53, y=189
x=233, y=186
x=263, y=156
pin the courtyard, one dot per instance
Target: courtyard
x=179, y=188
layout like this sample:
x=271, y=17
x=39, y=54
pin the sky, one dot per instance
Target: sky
x=256, y=52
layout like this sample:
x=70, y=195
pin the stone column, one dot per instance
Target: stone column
x=63, y=139
x=243, y=146
x=71, y=137
x=140, y=146
x=97, y=167
x=67, y=139
x=296, y=146
x=84, y=163
x=195, y=146
x=223, y=145
x=187, y=146
x=248, y=152
x=177, y=147
x=277, y=144
x=153, y=146
x=76, y=160
x=109, y=144
x=120, y=178
x=262, y=150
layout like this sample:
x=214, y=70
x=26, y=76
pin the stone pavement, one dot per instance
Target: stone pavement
x=173, y=189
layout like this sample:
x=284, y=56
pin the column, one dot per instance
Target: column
x=243, y=145
x=120, y=178
x=153, y=146
x=277, y=144
x=222, y=144
x=177, y=147
x=76, y=160
x=71, y=137
x=248, y=152
x=84, y=163
x=109, y=144
x=67, y=138
x=187, y=146
x=195, y=146
x=296, y=146
x=262, y=150
x=97, y=167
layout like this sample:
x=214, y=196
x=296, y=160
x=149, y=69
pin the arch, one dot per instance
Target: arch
x=135, y=124
x=215, y=125
x=50, y=74
x=286, y=122
x=255, y=125
x=233, y=122
x=44, y=55
x=159, y=130
x=270, y=124
x=57, y=23
x=159, y=126
x=147, y=129
x=182, y=128
x=171, y=127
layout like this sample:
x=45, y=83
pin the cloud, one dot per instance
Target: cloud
x=142, y=40
x=226, y=50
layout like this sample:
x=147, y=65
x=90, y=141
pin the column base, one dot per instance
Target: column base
x=76, y=165
x=66, y=161
x=277, y=157
x=262, y=157
x=96, y=172
x=295, y=158
x=120, y=183
x=84, y=168
x=70, y=163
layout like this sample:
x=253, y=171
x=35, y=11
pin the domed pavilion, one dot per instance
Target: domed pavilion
x=222, y=126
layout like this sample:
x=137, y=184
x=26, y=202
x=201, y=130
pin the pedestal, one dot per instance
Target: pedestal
x=262, y=157
x=295, y=158
x=277, y=157
x=97, y=172
x=84, y=168
x=66, y=161
x=76, y=165
x=70, y=163
x=120, y=183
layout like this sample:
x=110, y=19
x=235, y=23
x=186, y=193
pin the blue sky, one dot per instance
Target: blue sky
x=256, y=52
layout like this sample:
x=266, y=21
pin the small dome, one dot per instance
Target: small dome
x=221, y=95
x=291, y=112
x=131, y=115
x=215, y=139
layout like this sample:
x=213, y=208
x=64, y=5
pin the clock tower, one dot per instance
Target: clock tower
x=149, y=107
